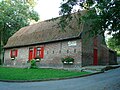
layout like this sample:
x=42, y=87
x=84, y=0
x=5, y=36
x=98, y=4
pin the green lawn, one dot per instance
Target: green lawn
x=36, y=74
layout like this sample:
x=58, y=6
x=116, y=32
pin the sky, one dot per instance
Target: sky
x=48, y=9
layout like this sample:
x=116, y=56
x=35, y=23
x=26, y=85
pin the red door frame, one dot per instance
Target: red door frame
x=30, y=54
x=95, y=59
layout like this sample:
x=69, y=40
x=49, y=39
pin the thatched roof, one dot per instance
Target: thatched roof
x=45, y=31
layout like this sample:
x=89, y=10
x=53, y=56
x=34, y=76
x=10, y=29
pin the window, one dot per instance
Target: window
x=14, y=53
x=53, y=52
x=59, y=51
x=74, y=50
x=47, y=52
x=67, y=51
x=36, y=52
x=39, y=52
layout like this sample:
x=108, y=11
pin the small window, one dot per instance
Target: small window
x=53, y=52
x=59, y=51
x=67, y=51
x=38, y=51
x=74, y=50
x=14, y=53
x=47, y=52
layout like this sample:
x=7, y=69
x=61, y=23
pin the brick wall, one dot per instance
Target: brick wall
x=112, y=57
x=19, y=61
x=53, y=52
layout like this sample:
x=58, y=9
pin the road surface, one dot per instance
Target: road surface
x=110, y=80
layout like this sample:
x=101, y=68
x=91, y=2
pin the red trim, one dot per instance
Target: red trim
x=35, y=52
x=11, y=53
x=16, y=53
x=42, y=52
x=30, y=54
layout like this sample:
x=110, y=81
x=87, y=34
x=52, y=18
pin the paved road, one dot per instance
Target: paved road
x=109, y=80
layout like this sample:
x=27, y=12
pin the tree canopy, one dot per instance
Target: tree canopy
x=15, y=14
x=104, y=14
x=112, y=44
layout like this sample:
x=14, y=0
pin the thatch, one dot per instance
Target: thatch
x=45, y=31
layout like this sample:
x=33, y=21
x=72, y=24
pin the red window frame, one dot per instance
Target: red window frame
x=39, y=51
x=14, y=53
x=36, y=51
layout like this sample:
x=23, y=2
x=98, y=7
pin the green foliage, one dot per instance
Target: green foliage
x=36, y=74
x=105, y=15
x=67, y=60
x=118, y=53
x=112, y=43
x=33, y=64
x=15, y=14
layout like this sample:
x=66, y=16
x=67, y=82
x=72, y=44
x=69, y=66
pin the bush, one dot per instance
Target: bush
x=33, y=64
x=67, y=60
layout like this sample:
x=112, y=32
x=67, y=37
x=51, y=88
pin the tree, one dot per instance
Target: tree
x=15, y=14
x=105, y=14
x=112, y=44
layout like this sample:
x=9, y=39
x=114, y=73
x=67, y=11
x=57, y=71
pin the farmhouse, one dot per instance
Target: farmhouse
x=47, y=41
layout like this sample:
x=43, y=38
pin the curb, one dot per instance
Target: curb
x=23, y=81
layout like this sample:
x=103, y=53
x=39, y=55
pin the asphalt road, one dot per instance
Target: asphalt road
x=109, y=80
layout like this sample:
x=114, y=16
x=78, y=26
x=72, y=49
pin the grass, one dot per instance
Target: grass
x=36, y=74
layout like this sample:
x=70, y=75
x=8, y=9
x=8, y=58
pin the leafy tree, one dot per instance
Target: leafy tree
x=15, y=14
x=104, y=14
x=112, y=44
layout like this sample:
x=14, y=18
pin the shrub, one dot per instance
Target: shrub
x=33, y=64
x=67, y=60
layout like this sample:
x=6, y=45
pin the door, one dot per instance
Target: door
x=30, y=54
x=95, y=62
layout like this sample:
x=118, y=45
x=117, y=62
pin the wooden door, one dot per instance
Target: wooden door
x=95, y=62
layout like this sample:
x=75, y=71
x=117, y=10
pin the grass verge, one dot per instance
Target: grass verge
x=36, y=74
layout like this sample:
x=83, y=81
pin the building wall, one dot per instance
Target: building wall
x=20, y=60
x=112, y=57
x=87, y=45
x=87, y=52
x=53, y=52
x=90, y=43
x=104, y=55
